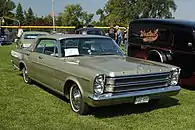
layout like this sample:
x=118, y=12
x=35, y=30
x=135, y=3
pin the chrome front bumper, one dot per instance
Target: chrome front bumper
x=129, y=97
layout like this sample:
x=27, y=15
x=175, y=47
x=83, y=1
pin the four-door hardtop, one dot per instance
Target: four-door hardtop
x=92, y=77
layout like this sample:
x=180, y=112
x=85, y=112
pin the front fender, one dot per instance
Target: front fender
x=85, y=86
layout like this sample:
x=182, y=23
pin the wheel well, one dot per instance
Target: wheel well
x=67, y=86
x=21, y=66
x=158, y=56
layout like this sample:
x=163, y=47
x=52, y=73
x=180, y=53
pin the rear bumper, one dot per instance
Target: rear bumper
x=129, y=97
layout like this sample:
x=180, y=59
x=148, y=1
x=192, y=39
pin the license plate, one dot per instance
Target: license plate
x=139, y=100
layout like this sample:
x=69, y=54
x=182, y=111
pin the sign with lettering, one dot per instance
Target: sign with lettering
x=149, y=36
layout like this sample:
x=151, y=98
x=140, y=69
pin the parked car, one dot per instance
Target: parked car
x=90, y=31
x=170, y=41
x=28, y=37
x=4, y=37
x=91, y=70
x=3, y=40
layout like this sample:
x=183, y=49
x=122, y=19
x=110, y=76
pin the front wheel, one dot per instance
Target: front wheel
x=76, y=101
x=26, y=78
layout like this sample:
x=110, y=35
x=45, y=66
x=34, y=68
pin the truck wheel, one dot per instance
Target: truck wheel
x=26, y=78
x=157, y=56
x=76, y=101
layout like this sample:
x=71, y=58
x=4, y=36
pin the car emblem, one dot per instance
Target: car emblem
x=140, y=69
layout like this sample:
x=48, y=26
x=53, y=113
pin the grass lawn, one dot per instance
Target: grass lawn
x=25, y=106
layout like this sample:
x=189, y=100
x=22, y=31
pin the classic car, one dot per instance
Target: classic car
x=90, y=31
x=170, y=41
x=92, y=71
x=4, y=38
x=28, y=37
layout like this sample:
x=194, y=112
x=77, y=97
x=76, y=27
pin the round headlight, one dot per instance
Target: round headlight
x=99, y=84
x=174, y=77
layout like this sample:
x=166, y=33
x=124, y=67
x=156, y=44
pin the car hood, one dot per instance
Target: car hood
x=117, y=66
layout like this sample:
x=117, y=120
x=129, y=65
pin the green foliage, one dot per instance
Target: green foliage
x=121, y=12
x=74, y=15
x=86, y=18
x=19, y=13
x=6, y=8
x=29, y=17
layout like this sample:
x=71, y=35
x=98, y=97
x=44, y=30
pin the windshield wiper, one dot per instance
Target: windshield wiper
x=107, y=54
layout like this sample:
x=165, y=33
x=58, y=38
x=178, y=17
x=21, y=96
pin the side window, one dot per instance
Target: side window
x=135, y=31
x=47, y=46
x=181, y=40
x=164, y=36
x=69, y=45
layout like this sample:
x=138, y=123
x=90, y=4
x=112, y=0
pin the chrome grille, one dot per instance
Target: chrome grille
x=136, y=82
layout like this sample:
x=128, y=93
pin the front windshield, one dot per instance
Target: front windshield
x=89, y=46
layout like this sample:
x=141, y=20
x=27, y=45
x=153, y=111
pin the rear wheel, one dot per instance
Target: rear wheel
x=76, y=101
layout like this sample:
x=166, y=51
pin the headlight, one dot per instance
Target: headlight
x=174, y=77
x=99, y=84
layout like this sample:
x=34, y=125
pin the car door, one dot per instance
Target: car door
x=43, y=53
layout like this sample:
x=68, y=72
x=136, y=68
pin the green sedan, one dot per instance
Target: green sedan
x=92, y=71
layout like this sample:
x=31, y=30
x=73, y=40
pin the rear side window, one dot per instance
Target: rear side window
x=47, y=46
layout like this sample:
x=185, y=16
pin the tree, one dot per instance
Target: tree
x=121, y=12
x=74, y=15
x=161, y=9
x=6, y=8
x=29, y=17
x=19, y=13
x=100, y=12
x=86, y=18
x=71, y=15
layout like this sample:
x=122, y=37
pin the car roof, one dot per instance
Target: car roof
x=64, y=36
x=89, y=29
x=35, y=32
x=177, y=22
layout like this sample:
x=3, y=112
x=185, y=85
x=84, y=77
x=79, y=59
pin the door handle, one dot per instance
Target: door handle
x=40, y=57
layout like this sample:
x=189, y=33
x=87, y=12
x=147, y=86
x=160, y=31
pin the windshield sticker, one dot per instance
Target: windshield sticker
x=71, y=51
x=149, y=36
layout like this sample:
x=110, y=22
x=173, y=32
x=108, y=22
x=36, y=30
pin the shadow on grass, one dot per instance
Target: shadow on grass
x=122, y=109
x=36, y=84
x=189, y=87
x=127, y=109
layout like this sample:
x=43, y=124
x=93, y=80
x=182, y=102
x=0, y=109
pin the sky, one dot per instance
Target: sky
x=43, y=7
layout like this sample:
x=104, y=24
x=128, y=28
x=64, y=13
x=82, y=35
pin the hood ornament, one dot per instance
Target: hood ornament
x=140, y=69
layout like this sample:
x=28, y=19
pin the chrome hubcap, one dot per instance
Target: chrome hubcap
x=25, y=75
x=76, y=98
